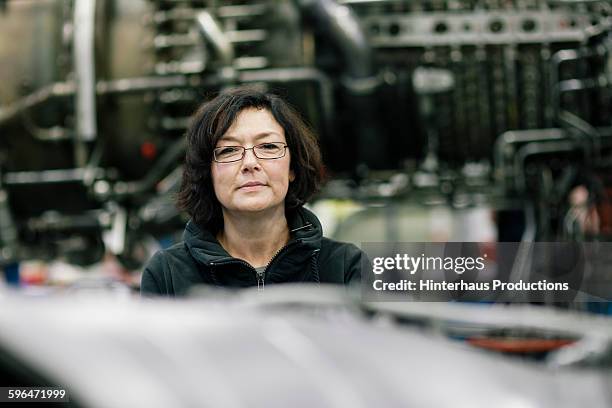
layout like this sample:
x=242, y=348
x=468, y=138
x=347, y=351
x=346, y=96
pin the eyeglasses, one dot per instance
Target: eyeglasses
x=265, y=151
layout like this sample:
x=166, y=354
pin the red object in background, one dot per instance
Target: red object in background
x=33, y=273
x=148, y=150
x=520, y=345
x=488, y=250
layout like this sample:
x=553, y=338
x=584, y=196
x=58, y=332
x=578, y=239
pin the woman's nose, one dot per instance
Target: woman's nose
x=249, y=160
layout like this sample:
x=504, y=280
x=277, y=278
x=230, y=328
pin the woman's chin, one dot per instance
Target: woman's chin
x=255, y=205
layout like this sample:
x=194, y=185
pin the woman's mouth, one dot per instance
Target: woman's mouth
x=251, y=185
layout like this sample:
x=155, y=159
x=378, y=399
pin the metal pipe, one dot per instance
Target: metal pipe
x=532, y=149
x=360, y=79
x=49, y=176
x=284, y=75
x=109, y=87
x=84, y=69
x=586, y=129
x=170, y=158
x=525, y=136
x=212, y=32
x=342, y=25
x=55, y=221
x=503, y=145
x=8, y=230
x=556, y=60
x=557, y=87
x=58, y=89
x=143, y=84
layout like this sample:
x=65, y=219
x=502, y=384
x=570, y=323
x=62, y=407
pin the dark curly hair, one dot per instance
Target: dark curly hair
x=210, y=122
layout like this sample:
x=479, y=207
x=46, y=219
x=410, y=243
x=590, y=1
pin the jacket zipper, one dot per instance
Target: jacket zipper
x=290, y=244
x=261, y=277
x=258, y=276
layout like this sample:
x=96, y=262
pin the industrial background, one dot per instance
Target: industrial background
x=439, y=120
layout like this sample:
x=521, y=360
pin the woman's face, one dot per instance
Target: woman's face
x=252, y=184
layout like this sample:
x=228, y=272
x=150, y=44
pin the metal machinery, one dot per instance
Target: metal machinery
x=299, y=346
x=507, y=97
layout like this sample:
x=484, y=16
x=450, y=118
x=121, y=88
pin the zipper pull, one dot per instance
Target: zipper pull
x=260, y=281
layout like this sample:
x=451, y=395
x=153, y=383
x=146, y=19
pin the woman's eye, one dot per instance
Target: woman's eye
x=268, y=146
x=227, y=150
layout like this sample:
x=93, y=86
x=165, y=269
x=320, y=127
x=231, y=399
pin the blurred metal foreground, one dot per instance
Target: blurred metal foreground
x=292, y=346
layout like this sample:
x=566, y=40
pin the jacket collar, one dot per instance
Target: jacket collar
x=306, y=234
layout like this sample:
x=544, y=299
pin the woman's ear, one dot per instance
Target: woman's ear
x=291, y=176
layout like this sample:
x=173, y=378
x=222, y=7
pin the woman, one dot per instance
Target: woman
x=251, y=164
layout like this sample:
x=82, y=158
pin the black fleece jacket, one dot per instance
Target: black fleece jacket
x=200, y=259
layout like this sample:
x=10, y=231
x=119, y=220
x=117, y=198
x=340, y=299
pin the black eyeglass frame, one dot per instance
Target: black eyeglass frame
x=244, y=149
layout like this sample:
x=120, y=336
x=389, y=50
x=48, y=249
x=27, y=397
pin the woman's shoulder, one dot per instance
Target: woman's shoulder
x=332, y=243
x=332, y=248
x=170, y=271
x=341, y=257
x=167, y=257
